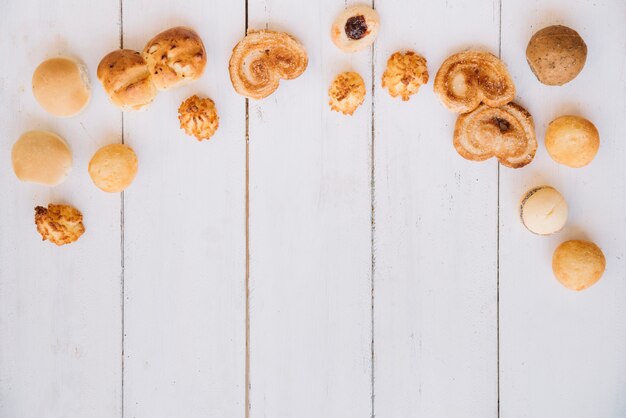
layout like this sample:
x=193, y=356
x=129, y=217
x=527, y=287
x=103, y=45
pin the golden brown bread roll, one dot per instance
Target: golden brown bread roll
x=113, y=167
x=572, y=141
x=347, y=93
x=175, y=57
x=506, y=132
x=61, y=86
x=405, y=73
x=59, y=224
x=125, y=77
x=261, y=59
x=355, y=28
x=41, y=157
x=467, y=79
x=578, y=264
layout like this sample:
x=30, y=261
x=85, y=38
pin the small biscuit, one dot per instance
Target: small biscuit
x=113, y=167
x=578, y=264
x=198, y=117
x=347, y=93
x=405, y=73
x=59, y=224
x=572, y=141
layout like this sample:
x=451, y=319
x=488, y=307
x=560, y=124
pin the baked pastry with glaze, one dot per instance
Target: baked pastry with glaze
x=175, y=57
x=125, y=77
x=198, y=117
x=346, y=92
x=405, y=73
x=59, y=224
x=467, y=79
x=261, y=59
x=506, y=132
x=355, y=28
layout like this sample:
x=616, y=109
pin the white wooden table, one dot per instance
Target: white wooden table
x=303, y=263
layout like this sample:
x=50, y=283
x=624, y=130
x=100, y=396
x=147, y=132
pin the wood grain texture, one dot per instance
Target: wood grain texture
x=60, y=307
x=309, y=230
x=435, y=321
x=563, y=353
x=185, y=232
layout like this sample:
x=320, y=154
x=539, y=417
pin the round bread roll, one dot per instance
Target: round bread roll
x=543, y=210
x=556, y=55
x=578, y=264
x=113, y=167
x=175, y=57
x=355, y=28
x=61, y=86
x=572, y=141
x=125, y=78
x=41, y=157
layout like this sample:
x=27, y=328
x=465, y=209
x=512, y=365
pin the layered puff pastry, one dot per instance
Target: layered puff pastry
x=59, y=224
x=175, y=57
x=198, y=117
x=467, y=79
x=506, y=132
x=346, y=93
x=355, y=28
x=261, y=59
x=405, y=73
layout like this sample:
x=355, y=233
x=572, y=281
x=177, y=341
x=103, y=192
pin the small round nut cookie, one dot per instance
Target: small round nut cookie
x=355, y=28
x=405, y=73
x=198, y=117
x=347, y=93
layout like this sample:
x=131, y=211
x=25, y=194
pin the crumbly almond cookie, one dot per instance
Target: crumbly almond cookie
x=347, y=93
x=405, y=73
x=59, y=224
x=198, y=117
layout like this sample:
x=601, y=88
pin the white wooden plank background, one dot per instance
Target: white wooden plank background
x=385, y=275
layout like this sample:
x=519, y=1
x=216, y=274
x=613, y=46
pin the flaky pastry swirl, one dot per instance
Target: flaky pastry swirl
x=467, y=79
x=261, y=59
x=506, y=132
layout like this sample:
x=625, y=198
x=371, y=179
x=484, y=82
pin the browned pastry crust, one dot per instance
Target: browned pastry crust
x=347, y=93
x=59, y=224
x=125, y=77
x=467, y=79
x=506, y=132
x=174, y=57
x=198, y=117
x=261, y=59
x=405, y=73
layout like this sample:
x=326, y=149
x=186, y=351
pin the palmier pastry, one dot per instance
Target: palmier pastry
x=175, y=57
x=198, y=117
x=355, y=28
x=467, y=79
x=59, y=224
x=346, y=93
x=125, y=77
x=506, y=132
x=261, y=59
x=405, y=73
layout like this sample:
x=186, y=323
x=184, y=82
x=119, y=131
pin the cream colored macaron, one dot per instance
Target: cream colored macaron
x=113, y=167
x=41, y=157
x=543, y=210
x=61, y=86
x=572, y=141
x=578, y=264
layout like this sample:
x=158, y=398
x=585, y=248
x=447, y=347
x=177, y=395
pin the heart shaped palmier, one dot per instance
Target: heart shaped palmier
x=261, y=59
x=506, y=132
x=467, y=79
